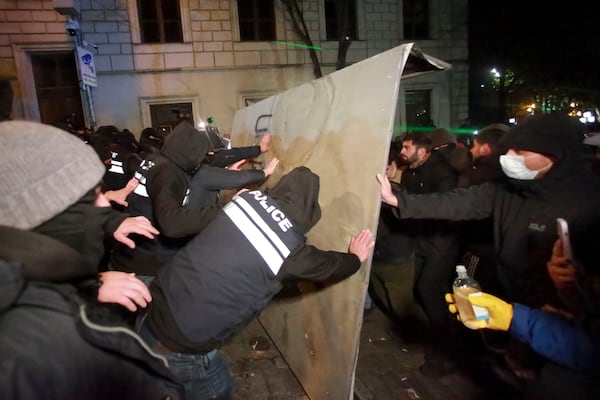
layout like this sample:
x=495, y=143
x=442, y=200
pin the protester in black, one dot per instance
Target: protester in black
x=57, y=341
x=231, y=270
x=163, y=196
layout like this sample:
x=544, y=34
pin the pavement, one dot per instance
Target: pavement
x=387, y=368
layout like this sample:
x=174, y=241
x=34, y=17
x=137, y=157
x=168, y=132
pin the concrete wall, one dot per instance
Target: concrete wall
x=212, y=65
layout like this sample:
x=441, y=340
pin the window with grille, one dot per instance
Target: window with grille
x=256, y=20
x=160, y=21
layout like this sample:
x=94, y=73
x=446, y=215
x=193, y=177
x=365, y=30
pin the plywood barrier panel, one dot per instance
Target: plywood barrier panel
x=339, y=126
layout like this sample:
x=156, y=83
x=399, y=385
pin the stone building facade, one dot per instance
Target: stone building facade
x=212, y=69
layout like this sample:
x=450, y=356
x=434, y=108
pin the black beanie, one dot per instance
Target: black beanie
x=556, y=135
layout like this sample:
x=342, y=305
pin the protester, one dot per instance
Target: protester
x=56, y=339
x=435, y=241
x=485, y=154
x=571, y=342
x=476, y=237
x=164, y=197
x=393, y=258
x=548, y=177
x=231, y=270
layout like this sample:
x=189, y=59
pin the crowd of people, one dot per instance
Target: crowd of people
x=502, y=214
x=116, y=262
x=117, y=271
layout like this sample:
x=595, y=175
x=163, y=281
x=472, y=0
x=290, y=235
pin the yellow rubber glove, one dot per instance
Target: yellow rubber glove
x=449, y=297
x=501, y=312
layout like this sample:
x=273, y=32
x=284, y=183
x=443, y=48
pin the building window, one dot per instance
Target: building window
x=164, y=117
x=418, y=109
x=57, y=88
x=340, y=22
x=416, y=19
x=256, y=19
x=160, y=21
x=163, y=113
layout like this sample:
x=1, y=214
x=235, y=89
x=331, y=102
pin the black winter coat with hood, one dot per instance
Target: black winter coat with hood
x=524, y=212
x=56, y=340
x=226, y=275
x=163, y=197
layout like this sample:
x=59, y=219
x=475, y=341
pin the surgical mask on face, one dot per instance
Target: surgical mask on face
x=514, y=167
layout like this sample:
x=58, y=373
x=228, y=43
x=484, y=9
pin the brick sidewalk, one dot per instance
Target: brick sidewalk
x=388, y=369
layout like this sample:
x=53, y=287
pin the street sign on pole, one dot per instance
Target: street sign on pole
x=86, y=67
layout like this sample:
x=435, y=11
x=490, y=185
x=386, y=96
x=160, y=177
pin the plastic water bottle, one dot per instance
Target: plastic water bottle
x=463, y=286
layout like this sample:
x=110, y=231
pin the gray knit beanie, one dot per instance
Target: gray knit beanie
x=43, y=171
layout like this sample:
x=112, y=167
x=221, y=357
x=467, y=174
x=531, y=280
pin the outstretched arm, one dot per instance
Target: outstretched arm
x=313, y=264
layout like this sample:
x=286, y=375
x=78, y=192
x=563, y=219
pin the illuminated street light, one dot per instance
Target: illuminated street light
x=587, y=117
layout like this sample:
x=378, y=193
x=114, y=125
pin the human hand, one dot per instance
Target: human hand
x=120, y=196
x=387, y=196
x=265, y=143
x=562, y=271
x=495, y=319
x=270, y=168
x=500, y=312
x=140, y=225
x=236, y=165
x=123, y=288
x=361, y=244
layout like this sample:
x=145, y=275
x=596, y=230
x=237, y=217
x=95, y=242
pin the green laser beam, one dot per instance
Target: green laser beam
x=458, y=131
x=303, y=46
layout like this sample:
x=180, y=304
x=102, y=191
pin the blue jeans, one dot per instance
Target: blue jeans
x=204, y=376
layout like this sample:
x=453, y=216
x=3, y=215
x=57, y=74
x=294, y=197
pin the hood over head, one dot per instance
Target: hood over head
x=556, y=135
x=186, y=147
x=297, y=193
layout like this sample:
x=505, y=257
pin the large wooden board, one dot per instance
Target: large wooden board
x=340, y=126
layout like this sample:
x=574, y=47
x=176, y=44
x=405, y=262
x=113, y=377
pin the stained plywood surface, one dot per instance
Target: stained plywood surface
x=339, y=126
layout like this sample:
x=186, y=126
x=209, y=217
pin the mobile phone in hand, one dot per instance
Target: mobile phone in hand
x=563, y=233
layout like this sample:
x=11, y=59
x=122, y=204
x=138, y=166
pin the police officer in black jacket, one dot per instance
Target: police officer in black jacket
x=231, y=270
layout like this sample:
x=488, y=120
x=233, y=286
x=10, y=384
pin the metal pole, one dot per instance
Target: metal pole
x=88, y=101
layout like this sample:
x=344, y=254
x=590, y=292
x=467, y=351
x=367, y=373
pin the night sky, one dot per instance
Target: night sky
x=552, y=43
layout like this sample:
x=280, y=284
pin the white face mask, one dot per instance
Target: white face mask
x=514, y=167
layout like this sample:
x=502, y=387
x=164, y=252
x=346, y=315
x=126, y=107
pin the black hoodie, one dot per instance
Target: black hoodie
x=227, y=274
x=178, y=193
x=57, y=341
x=162, y=197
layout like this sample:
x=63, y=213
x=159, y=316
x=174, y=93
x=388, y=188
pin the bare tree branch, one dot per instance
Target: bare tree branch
x=299, y=25
x=343, y=28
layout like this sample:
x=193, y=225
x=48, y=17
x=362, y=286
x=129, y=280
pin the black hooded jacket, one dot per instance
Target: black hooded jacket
x=56, y=341
x=524, y=212
x=231, y=270
x=164, y=193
